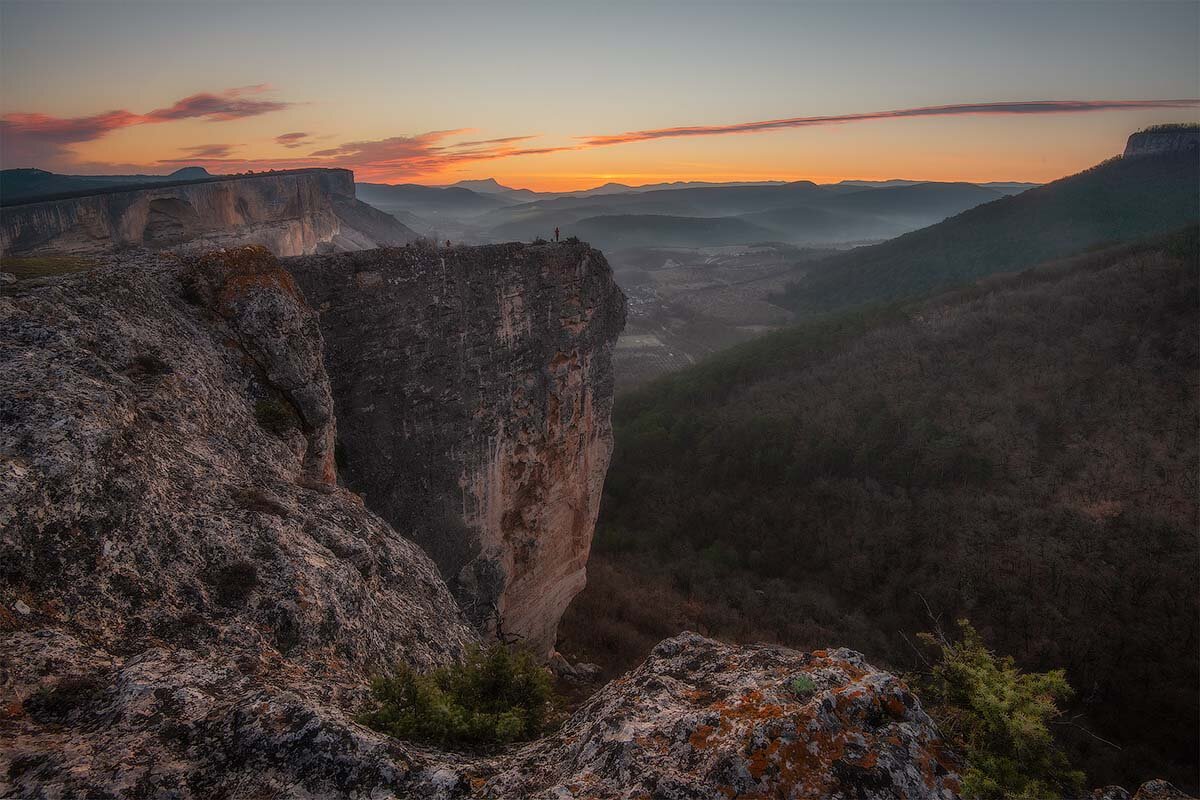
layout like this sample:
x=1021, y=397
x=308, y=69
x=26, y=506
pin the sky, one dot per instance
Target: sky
x=568, y=95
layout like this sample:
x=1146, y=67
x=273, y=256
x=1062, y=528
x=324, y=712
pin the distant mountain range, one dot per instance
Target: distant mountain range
x=682, y=214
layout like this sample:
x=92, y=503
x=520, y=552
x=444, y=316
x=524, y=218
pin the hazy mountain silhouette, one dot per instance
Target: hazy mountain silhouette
x=1120, y=200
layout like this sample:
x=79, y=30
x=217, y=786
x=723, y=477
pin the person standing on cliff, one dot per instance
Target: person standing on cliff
x=556, y=233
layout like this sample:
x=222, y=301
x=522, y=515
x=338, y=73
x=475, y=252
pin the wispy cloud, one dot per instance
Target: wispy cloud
x=292, y=140
x=1019, y=107
x=44, y=140
x=209, y=151
x=399, y=157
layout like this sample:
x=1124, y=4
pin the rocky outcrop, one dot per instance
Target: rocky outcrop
x=190, y=607
x=1163, y=139
x=473, y=389
x=1157, y=789
x=702, y=720
x=289, y=213
x=163, y=556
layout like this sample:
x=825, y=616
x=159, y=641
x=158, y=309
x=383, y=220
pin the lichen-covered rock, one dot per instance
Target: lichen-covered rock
x=473, y=388
x=702, y=720
x=266, y=314
x=1159, y=789
x=146, y=514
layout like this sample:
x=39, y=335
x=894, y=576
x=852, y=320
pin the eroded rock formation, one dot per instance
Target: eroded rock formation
x=473, y=389
x=289, y=213
x=163, y=555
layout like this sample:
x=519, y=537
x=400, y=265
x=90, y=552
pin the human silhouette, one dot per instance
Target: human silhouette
x=556, y=234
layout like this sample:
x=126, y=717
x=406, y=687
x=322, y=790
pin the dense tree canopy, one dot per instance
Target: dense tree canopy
x=1022, y=452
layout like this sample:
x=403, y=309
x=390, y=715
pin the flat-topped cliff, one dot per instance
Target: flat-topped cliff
x=473, y=387
x=289, y=213
x=1163, y=139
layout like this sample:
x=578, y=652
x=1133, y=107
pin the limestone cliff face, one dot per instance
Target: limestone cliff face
x=289, y=213
x=1169, y=139
x=473, y=389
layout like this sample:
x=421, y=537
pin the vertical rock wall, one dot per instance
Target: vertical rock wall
x=473, y=390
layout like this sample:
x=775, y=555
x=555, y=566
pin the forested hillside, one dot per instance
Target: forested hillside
x=1022, y=452
x=1121, y=200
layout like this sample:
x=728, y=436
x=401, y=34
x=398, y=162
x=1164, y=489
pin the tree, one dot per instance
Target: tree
x=999, y=718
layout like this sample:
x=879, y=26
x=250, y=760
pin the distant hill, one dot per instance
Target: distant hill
x=430, y=202
x=1004, y=187
x=622, y=188
x=28, y=184
x=1122, y=199
x=492, y=186
x=800, y=212
x=634, y=230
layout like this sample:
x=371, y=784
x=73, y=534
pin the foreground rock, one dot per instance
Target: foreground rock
x=164, y=557
x=703, y=720
x=473, y=388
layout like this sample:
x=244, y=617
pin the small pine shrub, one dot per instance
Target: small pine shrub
x=998, y=717
x=276, y=416
x=494, y=697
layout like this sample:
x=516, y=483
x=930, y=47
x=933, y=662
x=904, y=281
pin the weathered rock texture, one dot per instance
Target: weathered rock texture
x=702, y=720
x=191, y=608
x=162, y=556
x=289, y=213
x=473, y=389
x=1170, y=139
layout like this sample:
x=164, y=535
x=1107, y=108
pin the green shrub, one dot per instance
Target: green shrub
x=998, y=717
x=802, y=686
x=276, y=417
x=494, y=697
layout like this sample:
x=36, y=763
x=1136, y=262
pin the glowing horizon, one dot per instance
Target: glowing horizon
x=558, y=98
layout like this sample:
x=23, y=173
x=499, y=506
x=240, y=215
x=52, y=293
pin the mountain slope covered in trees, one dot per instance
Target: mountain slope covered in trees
x=1121, y=200
x=1021, y=452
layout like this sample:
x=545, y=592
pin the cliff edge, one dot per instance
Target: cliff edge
x=474, y=388
x=1162, y=139
x=290, y=213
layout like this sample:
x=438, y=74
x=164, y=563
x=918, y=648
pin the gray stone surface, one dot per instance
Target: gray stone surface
x=473, y=389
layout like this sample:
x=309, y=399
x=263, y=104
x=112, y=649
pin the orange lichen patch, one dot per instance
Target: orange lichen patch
x=657, y=741
x=699, y=739
x=894, y=706
x=240, y=270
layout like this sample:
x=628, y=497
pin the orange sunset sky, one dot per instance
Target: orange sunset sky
x=566, y=96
